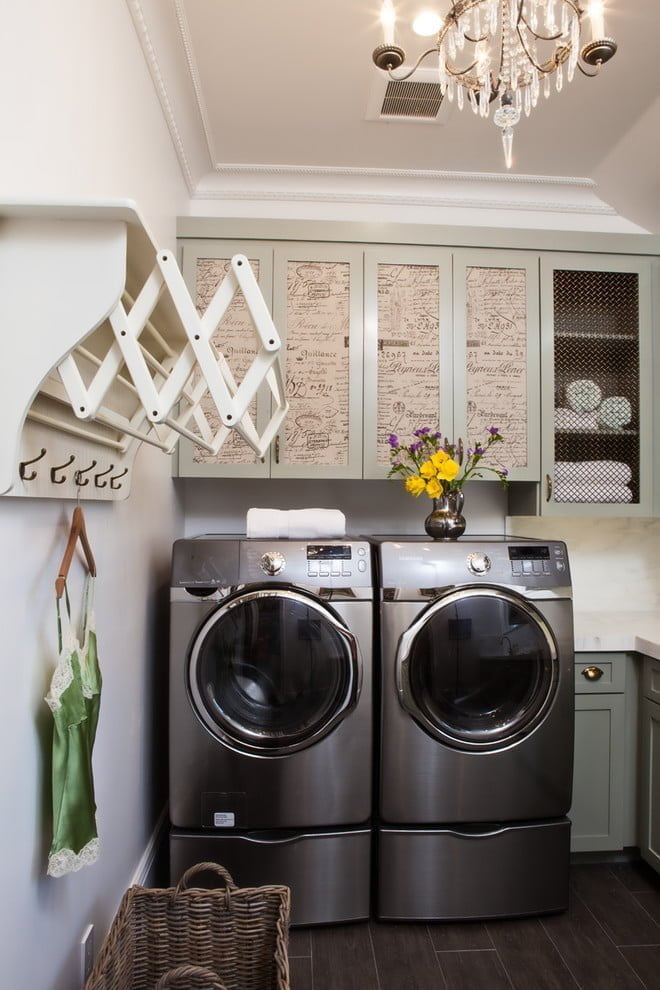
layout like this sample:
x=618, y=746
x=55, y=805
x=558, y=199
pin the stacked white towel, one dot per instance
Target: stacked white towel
x=592, y=481
x=568, y=419
x=296, y=524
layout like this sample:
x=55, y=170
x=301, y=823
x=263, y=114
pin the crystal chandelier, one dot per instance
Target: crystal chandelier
x=502, y=52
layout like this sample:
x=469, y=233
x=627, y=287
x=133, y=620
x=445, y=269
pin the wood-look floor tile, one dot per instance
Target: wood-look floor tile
x=300, y=942
x=528, y=956
x=636, y=876
x=645, y=960
x=477, y=970
x=405, y=959
x=460, y=935
x=591, y=956
x=650, y=901
x=300, y=973
x=343, y=958
x=623, y=918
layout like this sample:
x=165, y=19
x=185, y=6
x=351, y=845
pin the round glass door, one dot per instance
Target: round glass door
x=273, y=670
x=478, y=669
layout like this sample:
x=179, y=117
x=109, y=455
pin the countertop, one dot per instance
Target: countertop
x=623, y=632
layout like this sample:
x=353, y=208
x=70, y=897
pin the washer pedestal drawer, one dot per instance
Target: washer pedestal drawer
x=329, y=872
x=475, y=871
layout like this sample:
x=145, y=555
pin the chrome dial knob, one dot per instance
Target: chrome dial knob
x=273, y=562
x=478, y=563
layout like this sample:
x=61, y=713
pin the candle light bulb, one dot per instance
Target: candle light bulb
x=387, y=19
x=597, y=17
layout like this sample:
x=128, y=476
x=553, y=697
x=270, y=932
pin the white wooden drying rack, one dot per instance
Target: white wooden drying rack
x=102, y=349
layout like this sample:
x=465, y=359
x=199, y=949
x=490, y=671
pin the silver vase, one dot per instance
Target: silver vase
x=445, y=521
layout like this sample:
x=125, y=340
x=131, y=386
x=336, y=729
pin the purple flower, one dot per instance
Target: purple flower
x=422, y=431
x=479, y=450
x=414, y=447
x=493, y=430
x=504, y=472
x=393, y=440
x=470, y=452
x=436, y=436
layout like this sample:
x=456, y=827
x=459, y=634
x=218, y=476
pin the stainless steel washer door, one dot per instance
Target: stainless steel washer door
x=478, y=668
x=273, y=670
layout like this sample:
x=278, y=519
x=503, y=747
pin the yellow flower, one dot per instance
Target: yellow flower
x=439, y=458
x=415, y=485
x=428, y=469
x=433, y=488
x=448, y=470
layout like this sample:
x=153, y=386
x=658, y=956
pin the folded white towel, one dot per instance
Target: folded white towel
x=591, y=492
x=296, y=524
x=610, y=472
x=568, y=419
x=583, y=395
x=615, y=412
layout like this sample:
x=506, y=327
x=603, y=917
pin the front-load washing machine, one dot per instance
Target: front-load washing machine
x=270, y=755
x=476, y=734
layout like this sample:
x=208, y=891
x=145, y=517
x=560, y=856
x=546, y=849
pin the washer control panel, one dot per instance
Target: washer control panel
x=336, y=560
x=272, y=562
x=478, y=563
x=543, y=559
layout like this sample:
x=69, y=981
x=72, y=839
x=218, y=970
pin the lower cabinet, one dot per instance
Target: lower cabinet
x=649, y=804
x=599, y=792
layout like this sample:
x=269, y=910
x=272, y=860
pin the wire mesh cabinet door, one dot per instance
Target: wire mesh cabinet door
x=596, y=385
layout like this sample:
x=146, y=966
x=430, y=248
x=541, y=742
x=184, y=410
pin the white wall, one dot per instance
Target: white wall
x=80, y=117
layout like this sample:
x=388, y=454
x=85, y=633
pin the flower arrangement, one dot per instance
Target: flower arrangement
x=433, y=466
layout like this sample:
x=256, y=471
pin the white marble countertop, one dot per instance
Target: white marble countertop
x=618, y=633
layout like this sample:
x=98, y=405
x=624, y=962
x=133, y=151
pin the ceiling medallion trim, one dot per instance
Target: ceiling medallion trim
x=463, y=202
x=135, y=8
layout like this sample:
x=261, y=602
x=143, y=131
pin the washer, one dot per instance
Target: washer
x=271, y=717
x=476, y=735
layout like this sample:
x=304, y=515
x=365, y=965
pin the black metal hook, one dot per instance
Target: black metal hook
x=115, y=477
x=102, y=484
x=78, y=476
x=22, y=466
x=60, y=467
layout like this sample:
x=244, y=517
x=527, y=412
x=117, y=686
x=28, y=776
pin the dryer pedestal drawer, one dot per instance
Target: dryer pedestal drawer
x=484, y=871
x=329, y=873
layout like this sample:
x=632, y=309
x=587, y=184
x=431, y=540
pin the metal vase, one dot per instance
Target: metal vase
x=445, y=521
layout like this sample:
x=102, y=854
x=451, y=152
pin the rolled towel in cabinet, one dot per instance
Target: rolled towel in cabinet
x=614, y=412
x=583, y=395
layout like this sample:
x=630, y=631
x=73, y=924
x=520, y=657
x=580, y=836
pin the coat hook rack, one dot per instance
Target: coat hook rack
x=22, y=466
x=102, y=484
x=78, y=476
x=60, y=467
x=115, y=477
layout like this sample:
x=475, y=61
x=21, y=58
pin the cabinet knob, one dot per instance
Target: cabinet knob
x=277, y=449
x=592, y=673
x=548, y=487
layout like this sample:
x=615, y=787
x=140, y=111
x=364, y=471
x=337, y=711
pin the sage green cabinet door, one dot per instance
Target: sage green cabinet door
x=204, y=264
x=496, y=355
x=596, y=385
x=597, y=811
x=649, y=737
x=408, y=362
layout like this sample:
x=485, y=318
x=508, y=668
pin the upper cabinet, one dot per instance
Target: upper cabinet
x=597, y=385
x=315, y=296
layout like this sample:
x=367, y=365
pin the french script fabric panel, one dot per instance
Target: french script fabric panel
x=496, y=354
x=235, y=339
x=408, y=351
x=317, y=362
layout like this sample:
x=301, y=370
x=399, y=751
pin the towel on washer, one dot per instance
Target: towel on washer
x=296, y=524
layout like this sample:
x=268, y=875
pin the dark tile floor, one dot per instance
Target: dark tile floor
x=609, y=939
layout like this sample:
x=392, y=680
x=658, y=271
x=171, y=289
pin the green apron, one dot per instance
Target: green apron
x=74, y=699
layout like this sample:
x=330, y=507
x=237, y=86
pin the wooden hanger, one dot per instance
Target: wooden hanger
x=76, y=532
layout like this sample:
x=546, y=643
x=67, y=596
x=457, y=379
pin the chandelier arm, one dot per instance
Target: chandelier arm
x=590, y=75
x=539, y=37
x=407, y=75
x=547, y=67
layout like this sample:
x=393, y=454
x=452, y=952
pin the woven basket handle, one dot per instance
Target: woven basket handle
x=184, y=882
x=187, y=977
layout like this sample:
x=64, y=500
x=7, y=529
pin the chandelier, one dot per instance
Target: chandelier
x=502, y=52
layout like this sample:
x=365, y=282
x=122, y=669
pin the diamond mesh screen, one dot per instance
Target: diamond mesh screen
x=596, y=387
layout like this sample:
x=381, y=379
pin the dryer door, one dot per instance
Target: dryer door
x=478, y=669
x=273, y=670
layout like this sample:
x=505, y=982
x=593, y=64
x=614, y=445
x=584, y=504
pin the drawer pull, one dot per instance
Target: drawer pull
x=592, y=673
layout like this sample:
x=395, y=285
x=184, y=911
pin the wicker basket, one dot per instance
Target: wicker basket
x=184, y=937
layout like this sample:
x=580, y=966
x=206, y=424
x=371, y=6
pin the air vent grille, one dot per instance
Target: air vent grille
x=420, y=100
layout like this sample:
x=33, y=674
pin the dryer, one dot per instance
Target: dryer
x=271, y=717
x=476, y=733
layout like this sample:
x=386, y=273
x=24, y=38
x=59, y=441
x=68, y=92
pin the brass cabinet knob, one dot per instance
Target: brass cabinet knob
x=592, y=673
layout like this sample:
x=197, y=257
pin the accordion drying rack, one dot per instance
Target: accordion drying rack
x=103, y=349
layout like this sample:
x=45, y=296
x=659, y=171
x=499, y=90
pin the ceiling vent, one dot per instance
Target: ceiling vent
x=417, y=99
